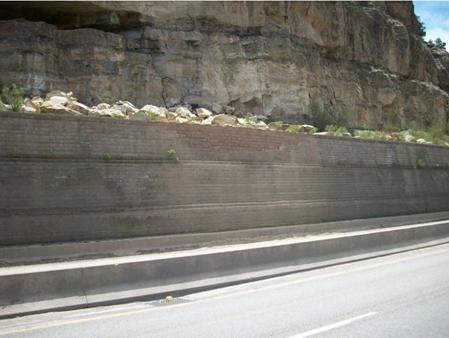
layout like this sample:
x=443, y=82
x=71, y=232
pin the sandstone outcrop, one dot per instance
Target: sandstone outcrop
x=361, y=62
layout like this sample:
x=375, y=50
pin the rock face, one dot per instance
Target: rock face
x=295, y=61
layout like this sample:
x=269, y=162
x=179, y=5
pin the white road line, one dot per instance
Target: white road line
x=127, y=308
x=332, y=326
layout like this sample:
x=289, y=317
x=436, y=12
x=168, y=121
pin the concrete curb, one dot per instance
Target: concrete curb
x=58, y=286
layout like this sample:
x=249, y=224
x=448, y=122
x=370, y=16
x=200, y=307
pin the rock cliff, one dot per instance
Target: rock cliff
x=358, y=62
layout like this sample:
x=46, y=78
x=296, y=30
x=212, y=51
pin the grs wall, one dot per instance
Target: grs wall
x=66, y=178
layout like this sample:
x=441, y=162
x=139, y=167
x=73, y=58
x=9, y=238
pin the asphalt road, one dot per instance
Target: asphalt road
x=403, y=295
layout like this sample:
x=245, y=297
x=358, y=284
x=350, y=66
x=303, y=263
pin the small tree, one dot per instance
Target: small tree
x=12, y=95
x=421, y=27
x=440, y=44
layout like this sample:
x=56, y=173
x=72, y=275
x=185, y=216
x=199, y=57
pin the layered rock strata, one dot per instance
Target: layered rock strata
x=361, y=63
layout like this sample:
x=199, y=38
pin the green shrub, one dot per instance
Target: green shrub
x=436, y=133
x=277, y=125
x=371, y=134
x=118, y=117
x=12, y=95
x=336, y=130
x=391, y=128
x=146, y=115
x=416, y=125
x=421, y=27
x=420, y=164
x=172, y=154
x=251, y=119
x=106, y=157
x=320, y=118
x=363, y=126
x=293, y=128
x=312, y=130
x=151, y=115
x=440, y=44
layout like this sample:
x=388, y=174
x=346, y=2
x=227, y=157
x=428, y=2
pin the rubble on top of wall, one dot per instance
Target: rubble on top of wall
x=62, y=103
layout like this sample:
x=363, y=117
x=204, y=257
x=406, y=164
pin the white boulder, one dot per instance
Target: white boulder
x=243, y=122
x=79, y=107
x=27, y=109
x=107, y=112
x=185, y=113
x=180, y=119
x=125, y=107
x=423, y=141
x=408, y=137
x=261, y=125
x=170, y=115
x=58, y=100
x=307, y=128
x=150, y=113
x=54, y=107
x=60, y=93
x=101, y=106
x=224, y=120
x=203, y=113
x=208, y=121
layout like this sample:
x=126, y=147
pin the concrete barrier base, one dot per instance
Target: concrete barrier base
x=53, y=252
x=66, y=285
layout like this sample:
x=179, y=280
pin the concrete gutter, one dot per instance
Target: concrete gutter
x=67, y=285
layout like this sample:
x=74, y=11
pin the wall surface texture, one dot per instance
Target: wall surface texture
x=70, y=178
x=361, y=61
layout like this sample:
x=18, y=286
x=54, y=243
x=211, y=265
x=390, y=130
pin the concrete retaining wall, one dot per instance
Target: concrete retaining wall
x=69, y=179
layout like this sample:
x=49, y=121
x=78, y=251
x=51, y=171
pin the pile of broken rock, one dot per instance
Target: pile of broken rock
x=58, y=102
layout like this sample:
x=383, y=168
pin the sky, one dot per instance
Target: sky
x=435, y=15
